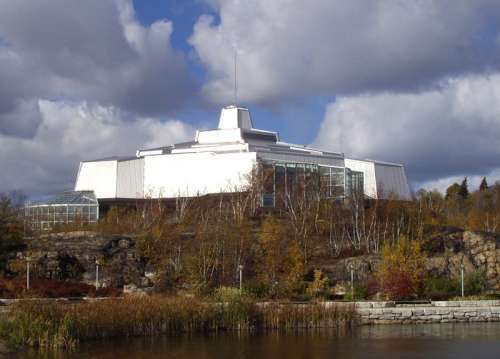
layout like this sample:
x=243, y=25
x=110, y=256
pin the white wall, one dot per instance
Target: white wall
x=130, y=181
x=218, y=136
x=99, y=176
x=196, y=174
x=369, y=179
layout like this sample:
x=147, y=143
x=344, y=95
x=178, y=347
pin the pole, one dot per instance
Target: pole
x=235, y=80
x=96, y=274
x=241, y=277
x=352, y=280
x=462, y=278
x=27, y=273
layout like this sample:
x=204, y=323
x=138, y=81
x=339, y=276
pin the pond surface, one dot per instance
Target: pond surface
x=471, y=341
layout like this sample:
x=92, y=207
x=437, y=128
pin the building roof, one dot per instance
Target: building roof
x=235, y=133
x=112, y=158
x=69, y=197
x=383, y=163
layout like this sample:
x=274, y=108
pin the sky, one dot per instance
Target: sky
x=409, y=81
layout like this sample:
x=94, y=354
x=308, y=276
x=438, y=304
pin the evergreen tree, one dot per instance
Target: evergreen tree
x=484, y=185
x=464, y=189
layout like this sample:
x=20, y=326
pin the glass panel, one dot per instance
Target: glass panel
x=337, y=182
x=279, y=178
x=324, y=181
x=357, y=182
x=301, y=179
x=291, y=178
x=268, y=178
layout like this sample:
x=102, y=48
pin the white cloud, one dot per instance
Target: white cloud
x=441, y=133
x=94, y=50
x=473, y=182
x=71, y=132
x=290, y=49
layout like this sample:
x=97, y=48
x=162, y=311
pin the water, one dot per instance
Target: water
x=471, y=341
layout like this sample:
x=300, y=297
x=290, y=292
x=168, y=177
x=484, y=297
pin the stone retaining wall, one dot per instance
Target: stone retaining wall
x=436, y=312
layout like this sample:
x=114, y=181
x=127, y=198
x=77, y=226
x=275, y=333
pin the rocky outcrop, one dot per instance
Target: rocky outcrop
x=362, y=267
x=447, y=250
x=476, y=251
x=73, y=255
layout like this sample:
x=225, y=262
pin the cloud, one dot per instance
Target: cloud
x=473, y=182
x=94, y=50
x=71, y=132
x=21, y=120
x=439, y=133
x=290, y=49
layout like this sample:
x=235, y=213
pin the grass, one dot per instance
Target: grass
x=490, y=296
x=59, y=326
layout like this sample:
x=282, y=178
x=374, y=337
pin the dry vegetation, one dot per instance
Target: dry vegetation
x=198, y=245
x=57, y=326
x=201, y=242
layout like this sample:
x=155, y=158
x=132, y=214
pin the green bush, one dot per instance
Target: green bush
x=226, y=294
x=360, y=293
x=489, y=296
x=300, y=297
x=441, y=288
x=257, y=290
x=474, y=283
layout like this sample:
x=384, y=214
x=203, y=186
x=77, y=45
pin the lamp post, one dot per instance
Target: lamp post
x=462, y=277
x=351, y=267
x=97, y=274
x=240, y=267
x=28, y=260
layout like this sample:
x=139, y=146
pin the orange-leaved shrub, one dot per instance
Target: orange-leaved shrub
x=402, y=272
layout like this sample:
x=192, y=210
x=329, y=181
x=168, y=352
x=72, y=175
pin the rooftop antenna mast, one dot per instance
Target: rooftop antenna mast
x=235, y=79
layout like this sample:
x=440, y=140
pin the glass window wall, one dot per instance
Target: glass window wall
x=284, y=180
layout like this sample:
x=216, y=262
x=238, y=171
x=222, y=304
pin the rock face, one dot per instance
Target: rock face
x=73, y=256
x=362, y=266
x=477, y=251
x=448, y=250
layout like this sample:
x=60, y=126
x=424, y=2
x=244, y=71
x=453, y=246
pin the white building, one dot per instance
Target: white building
x=223, y=160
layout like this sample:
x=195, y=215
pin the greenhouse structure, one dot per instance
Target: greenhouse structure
x=67, y=207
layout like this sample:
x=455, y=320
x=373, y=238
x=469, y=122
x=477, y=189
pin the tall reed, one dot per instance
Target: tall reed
x=64, y=326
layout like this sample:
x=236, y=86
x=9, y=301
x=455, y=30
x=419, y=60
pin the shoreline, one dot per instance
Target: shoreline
x=65, y=323
x=473, y=311
x=367, y=312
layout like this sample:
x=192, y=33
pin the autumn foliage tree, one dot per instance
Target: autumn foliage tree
x=403, y=268
x=280, y=259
